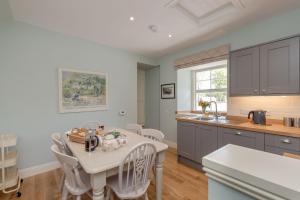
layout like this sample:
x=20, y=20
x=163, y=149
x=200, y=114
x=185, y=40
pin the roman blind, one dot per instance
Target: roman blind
x=211, y=55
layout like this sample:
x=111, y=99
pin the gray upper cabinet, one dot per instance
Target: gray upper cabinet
x=244, y=72
x=186, y=139
x=206, y=141
x=243, y=138
x=279, y=67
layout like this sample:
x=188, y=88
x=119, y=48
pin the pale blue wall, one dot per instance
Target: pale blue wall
x=219, y=191
x=273, y=28
x=152, y=90
x=29, y=60
x=5, y=12
x=184, y=89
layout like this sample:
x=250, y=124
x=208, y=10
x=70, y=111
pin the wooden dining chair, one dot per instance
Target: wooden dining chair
x=133, y=178
x=153, y=134
x=77, y=182
x=135, y=128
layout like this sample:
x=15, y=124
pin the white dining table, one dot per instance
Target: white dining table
x=101, y=165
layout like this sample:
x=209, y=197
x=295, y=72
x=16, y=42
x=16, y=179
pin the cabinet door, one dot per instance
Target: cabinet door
x=206, y=141
x=248, y=139
x=280, y=151
x=279, y=67
x=186, y=140
x=244, y=72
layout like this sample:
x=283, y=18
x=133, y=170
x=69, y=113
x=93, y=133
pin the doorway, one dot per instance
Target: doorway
x=148, y=95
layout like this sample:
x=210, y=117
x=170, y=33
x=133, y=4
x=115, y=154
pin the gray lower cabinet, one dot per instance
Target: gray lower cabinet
x=186, y=140
x=279, y=67
x=206, y=141
x=280, y=144
x=243, y=138
x=244, y=72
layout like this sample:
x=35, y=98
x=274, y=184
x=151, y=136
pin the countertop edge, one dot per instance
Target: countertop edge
x=261, y=129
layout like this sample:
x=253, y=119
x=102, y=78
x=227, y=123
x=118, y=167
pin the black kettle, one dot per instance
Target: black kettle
x=258, y=116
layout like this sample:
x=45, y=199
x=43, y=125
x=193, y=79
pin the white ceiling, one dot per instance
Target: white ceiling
x=107, y=21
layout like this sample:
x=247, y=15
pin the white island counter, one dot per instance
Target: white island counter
x=240, y=173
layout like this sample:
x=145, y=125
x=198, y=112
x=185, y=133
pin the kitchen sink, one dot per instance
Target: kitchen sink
x=205, y=118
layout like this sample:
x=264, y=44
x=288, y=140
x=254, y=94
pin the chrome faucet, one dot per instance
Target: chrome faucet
x=216, y=113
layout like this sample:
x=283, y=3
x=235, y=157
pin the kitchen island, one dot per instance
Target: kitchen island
x=236, y=172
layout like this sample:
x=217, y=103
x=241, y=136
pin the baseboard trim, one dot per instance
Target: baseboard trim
x=38, y=169
x=171, y=144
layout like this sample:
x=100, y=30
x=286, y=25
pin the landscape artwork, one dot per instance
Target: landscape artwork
x=81, y=91
x=168, y=91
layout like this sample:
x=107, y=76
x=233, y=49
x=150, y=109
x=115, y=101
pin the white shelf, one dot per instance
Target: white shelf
x=8, y=140
x=11, y=178
x=10, y=159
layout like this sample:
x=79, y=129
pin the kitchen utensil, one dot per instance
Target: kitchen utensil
x=258, y=116
x=288, y=121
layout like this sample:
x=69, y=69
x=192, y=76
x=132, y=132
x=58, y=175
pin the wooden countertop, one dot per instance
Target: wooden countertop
x=275, y=128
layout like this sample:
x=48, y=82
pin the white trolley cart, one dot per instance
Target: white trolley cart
x=9, y=177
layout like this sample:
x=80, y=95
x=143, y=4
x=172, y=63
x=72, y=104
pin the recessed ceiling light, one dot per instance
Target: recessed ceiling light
x=131, y=18
x=170, y=35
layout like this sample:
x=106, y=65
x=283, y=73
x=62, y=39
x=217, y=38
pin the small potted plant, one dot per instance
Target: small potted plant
x=204, y=105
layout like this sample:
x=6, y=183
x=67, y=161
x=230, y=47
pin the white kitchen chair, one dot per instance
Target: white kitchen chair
x=77, y=182
x=58, y=140
x=134, y=173
x=153, y=134
x=136, y=128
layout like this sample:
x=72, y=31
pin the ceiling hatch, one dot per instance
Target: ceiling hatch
x=205, y=11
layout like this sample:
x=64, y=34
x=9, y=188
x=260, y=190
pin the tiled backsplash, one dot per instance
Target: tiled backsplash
x=276, y=106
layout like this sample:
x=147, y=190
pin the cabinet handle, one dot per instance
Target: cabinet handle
x=255, y=91
x=286, y=141
x=238, y=133
x=263, y=90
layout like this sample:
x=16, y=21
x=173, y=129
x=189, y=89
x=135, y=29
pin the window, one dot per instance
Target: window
x=210, y=84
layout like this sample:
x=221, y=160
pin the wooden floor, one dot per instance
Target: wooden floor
x=179, y=181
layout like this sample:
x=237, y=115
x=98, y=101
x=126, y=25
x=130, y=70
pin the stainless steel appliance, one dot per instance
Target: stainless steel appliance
x=297, y=122
x=258, y=116
x=288, y=121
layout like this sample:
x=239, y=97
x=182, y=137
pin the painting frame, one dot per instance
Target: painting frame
x=92, y=108
x=163, y=87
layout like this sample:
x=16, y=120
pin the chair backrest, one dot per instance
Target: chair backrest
x=134, y=171
x=136, y=128
x=59, y=142
x=70, y=166
x=153, y=134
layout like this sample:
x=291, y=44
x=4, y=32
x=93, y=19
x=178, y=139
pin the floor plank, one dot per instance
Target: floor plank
x=180, y=182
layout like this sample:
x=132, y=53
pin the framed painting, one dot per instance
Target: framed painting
x=168, y=91
x=81, y=91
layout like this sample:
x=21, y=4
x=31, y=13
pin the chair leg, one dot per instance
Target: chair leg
x=146, y=196
x=108, y=193
x=65, y=193
x=78, y=197
x=112, y=197
x=62, y=182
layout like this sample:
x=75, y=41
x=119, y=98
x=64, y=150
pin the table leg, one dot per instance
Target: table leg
x=98, y=182
x=159, y=173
